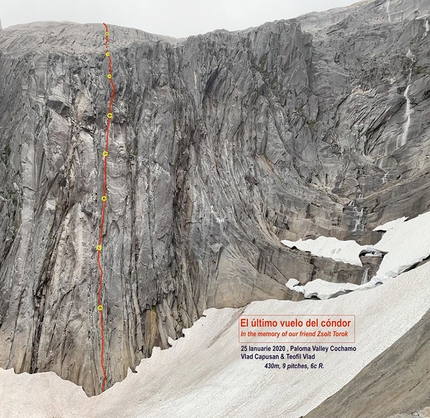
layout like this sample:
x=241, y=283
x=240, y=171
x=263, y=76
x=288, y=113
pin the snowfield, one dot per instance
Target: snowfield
x=203, y=375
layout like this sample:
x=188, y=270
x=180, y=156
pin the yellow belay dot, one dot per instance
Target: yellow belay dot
x=98, y=247
x=107, y=53
x=104, y=198
x=105, y=153
x=109, y=115
x=109, y=76
x=100, y=307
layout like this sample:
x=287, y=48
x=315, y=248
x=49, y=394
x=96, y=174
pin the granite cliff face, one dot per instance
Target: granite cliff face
x=222, y=144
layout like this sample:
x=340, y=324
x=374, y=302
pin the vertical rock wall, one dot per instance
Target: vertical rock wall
x=222, y=144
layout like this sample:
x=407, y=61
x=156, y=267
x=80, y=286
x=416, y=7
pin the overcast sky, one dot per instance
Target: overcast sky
x=177, y=18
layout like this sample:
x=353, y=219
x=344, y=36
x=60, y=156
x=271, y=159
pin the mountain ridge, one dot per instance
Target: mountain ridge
x=222, y=145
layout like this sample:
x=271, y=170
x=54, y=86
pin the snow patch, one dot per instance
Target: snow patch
x=329, y=247
x=321, y=289
x=385, y=177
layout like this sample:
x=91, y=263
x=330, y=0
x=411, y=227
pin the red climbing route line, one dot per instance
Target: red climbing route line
x=104, y=200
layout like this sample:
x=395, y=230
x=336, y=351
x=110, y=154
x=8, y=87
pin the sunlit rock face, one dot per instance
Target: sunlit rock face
x=221, y=145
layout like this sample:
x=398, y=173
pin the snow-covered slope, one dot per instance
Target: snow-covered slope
x=203, y=373
x=406, y=242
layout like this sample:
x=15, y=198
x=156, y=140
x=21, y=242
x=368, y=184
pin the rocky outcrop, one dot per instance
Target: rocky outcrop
x=395, y=382
x=222, y=144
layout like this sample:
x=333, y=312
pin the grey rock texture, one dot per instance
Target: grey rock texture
x=222, y=144
x=396, y=382
x=425, y=413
